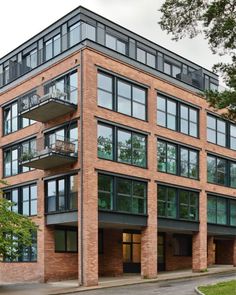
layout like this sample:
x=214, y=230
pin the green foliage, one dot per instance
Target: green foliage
x=13, y=227
x=224, y=288
x=216, y=19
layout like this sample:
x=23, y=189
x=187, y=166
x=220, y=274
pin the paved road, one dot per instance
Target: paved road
x=183, y=287
x=178, y=287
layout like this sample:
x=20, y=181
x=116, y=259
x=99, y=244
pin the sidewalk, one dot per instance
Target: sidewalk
x=71, y=286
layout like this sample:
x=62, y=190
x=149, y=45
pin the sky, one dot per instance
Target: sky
x=22, y=19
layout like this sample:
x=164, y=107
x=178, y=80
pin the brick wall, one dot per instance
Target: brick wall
x=224, y=251
x=111, y=260
x=58, y=266
x=175, y=262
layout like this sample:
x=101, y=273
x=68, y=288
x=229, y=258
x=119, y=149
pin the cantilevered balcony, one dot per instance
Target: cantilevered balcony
x=58, y=152
x=54, y=104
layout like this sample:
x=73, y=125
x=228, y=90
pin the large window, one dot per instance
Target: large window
x=146, y=57
x=66, y=240
x=52, y=47
x=131, y=247
x=24, y=199
x=12, y=120
x=20, y=252
x=116, y=43
x=178, y=160
x=61, y=194
x=221, y=210
x=167, y=116
x=177, y=203
x=80, y=31
x=221, y=132
x=14, y=154
x=121, y=96
x=221, y=171
x=30, y=60
x=122, y=145
x=216, y=130
x=121, y=194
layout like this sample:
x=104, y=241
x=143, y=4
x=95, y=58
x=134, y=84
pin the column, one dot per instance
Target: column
x=199, y=258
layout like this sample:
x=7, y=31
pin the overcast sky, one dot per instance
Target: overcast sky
x=22, y=19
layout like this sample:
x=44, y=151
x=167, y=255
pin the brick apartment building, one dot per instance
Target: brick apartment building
x=108, y=145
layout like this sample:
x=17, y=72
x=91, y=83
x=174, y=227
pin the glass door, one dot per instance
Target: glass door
x=131, y=252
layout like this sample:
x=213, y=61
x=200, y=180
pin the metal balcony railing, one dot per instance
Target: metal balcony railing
x=60, y=100
x=50, y=152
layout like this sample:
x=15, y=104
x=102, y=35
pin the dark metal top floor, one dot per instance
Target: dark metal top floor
x=82, y=27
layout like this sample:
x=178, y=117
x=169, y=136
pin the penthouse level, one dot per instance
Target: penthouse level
x=82, y=27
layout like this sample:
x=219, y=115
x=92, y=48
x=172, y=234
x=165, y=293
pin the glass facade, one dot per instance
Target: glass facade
x=221, y=171
x=178, y=160
x=221, y=210
x=24, y=199
x=13, y=155
x=177, y=116
x=177, y=203
x=121, y=145
x=61, y=194
x=121, y=96
x=121, y=194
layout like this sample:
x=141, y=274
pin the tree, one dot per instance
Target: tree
x=216, y=19
x=15, y=230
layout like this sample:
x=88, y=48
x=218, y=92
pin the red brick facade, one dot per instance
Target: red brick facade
x=88, y=264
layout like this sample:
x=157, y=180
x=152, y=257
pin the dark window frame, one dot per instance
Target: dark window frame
x=114, y=194
x=19, y=190
x=115, y=130
x=19, y=154
x=178, y=160
x=227, y=210
x=227, y=177
x=65, y=230
x=177, y=115
x=67, y=194
x=115, y=80
x=177, y=203
x=53, y=46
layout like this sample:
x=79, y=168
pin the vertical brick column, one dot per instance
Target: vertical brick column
x=210, y=251
x=199, y=258
x=149, y=237
x=88, y=204
x=149, y=234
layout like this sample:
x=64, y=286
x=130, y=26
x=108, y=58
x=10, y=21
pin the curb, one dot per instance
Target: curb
x=198, y=291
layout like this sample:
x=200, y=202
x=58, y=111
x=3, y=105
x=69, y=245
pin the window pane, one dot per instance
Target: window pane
x=74, y=34
x=139, y=111
x=141, y=55
x=139, y=150
x=105, y=142
x=232, y=212
x=105, y=192
x=60, y=240
x=121, y=47
x=211, y=169
x=151, y=60
x=124, y=89
x=211, y=209
x=111, y=42
x=104, y=82
x=71, y=241
x=167, y=68
x=105, y=99
x=233, y=175
x=48, y=50
x=124, y=146
x=221, y=211
x=139, y=95
x=161, y=153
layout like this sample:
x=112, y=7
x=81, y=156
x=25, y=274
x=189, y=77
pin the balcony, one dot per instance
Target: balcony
x=54, y=104
x=58, y=152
